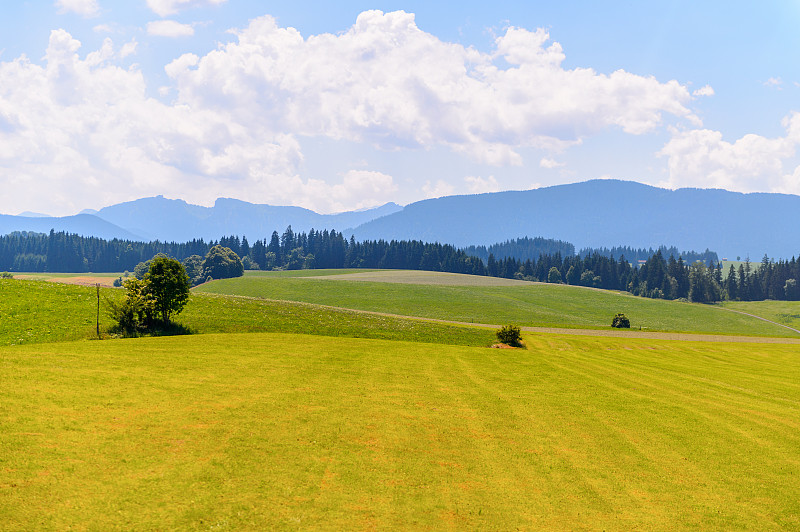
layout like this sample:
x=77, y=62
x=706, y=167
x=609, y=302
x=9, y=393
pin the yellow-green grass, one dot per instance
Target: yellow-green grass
x=783, y=312
x=38, y=311
x=423, y=277
x=726, y=265
x=270, y=431
x=528, y=304
x=43, y=276
x=86, y=279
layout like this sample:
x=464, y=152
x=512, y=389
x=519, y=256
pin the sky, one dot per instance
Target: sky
x=337, y=106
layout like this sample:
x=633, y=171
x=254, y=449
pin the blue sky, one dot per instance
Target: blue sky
x=350, y=105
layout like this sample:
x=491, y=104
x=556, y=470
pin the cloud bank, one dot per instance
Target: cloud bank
x=164, y=8
x=389, y=83
x=169, y=28
x=86, y=8
x=240, y=112
x=747, y=165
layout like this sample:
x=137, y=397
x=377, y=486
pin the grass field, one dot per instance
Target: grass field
x=38, y=311
x=85, y=279
x=265, y=431
x=524, y=304
x=784, y=312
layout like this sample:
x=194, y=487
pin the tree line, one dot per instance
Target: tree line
x=657, y=277
x=522, y=249
x=642, y=254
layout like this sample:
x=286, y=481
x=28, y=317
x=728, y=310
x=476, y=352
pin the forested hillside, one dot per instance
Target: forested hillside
x=522, y=249
x=658, y=277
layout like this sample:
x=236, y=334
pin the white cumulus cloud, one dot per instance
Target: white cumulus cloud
x=359, y=189
x=129, y=48
x=547, y=162
x=169, y=28
x=82, y=126
x=706, y=90
x=774, y=82
x=85, y=131
x=386, y=82
x=86, y=8
x=749, y=164
x=479, y=185
x=438, y=189
x=165, y=8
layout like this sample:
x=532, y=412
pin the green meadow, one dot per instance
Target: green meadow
x=286, y=410
x=783, y=312
x=280, y=431
x=39, y=311
x=527, y=304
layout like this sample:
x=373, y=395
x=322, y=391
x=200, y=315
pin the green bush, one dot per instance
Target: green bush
x=6, y=275
x=621, y=321
x=554, y=276
x=132, y=313
x=510, y=335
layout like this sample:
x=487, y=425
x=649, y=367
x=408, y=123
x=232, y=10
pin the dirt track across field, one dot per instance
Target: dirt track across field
x=610, y=333
x=686, y=337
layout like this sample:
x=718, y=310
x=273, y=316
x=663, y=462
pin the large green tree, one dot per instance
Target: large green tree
x=162, y=293
x=222, y=263
x=168, y=286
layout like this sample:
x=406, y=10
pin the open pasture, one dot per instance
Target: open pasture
x=265, y=431
x=38, y=311
x=422, y=277
x=783, y=312
x=528, y=304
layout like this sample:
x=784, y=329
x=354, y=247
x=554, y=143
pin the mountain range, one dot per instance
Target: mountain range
x=607, y=213
x=589, y=214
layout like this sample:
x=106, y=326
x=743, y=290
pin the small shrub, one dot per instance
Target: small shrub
x=621, y=321
x=510, y=335
x=6, y=275
x=118, y=282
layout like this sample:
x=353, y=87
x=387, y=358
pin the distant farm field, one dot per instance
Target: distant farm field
x=85, y=279
x=422, y=277
x=435, y=295
x=266, y=431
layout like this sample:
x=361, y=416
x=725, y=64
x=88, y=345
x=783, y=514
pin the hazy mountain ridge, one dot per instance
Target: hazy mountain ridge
x=606, y=213
x=82, y=224
x=591, y=214
x=176, y=220
x=159, y=218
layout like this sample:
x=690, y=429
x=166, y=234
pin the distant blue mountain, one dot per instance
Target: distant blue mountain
x=81, y=224
x=599, y=213
x=164, y=219
x=606, y=213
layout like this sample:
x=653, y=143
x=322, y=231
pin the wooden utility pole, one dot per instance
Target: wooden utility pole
x=98, y=309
